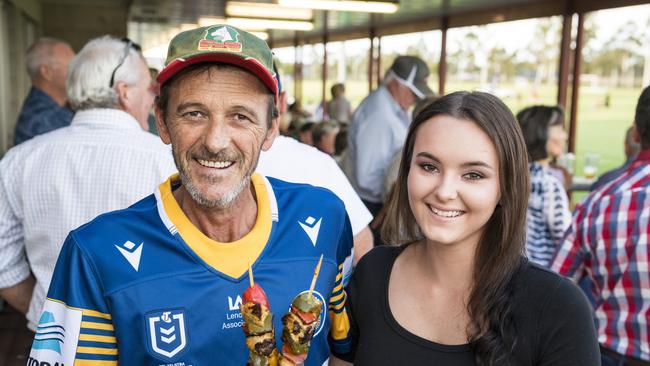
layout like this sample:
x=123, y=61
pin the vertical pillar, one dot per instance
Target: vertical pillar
x=565, y=53
x=378, y=61
x=297, y=68
x=371, y=57
x=325, y=40
x=442, y=65
x=577, y=70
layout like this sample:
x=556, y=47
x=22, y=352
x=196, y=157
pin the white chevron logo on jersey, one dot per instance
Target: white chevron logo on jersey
x=131, y=253
x=311, y=228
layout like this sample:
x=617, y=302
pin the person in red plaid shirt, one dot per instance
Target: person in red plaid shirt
x=606, y=248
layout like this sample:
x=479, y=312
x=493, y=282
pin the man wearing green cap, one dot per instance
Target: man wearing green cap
x=161, y=282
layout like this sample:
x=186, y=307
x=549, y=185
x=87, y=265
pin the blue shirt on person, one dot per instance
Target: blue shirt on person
x=40, y=114
x=377, y=133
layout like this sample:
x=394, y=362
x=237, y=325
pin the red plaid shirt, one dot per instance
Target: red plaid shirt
x=607, y=247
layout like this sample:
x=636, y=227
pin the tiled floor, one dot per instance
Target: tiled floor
x=15, y=338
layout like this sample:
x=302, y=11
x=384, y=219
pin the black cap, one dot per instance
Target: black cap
x=412, y=72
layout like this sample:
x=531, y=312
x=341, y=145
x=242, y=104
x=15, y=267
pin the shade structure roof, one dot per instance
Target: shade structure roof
x=412, y=16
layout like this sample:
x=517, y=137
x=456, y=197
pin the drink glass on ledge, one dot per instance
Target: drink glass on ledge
x=590, y=167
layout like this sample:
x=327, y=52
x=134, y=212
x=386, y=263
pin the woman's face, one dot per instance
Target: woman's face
x=556, y=141
x=453, y=183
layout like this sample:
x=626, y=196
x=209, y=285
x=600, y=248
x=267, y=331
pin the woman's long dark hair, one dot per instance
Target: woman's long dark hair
x=498, y=257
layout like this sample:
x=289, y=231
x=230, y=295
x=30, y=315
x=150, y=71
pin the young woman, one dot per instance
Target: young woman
x=458, y=291
x=548, y=205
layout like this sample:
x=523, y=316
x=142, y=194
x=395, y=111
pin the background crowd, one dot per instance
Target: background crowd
x=83, y=147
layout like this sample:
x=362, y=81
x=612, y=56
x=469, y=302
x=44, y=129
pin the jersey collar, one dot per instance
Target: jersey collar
x=231, y=258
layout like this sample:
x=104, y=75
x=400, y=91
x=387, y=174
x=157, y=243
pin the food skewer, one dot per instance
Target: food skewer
x=300, y=323
x=250, y=274
x=258, y=325
x=316, y=272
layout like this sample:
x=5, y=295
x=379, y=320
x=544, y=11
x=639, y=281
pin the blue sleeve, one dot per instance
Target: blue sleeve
x=75, y=327
x=371, y=163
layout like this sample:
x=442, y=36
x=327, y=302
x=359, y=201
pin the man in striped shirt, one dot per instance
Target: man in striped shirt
x=607, y=246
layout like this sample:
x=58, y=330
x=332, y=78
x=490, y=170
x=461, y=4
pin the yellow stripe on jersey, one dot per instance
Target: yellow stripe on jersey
x=94, y=363
x=96, y=314
x=337, y=298
x=97, y=338
x=97, y=351
x=229, y=258
x=340, y=325
x=93, y=325
x=338, y=294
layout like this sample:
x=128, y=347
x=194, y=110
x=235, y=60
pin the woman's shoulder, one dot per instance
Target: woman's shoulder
x=541, y=288
x=376, y=262
x=554, y=319
x=381, y=255
x=533, y=277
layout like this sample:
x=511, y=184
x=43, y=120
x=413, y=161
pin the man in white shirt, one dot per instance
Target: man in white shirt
x=292, y=161
x=103, y=161
x=379, y=127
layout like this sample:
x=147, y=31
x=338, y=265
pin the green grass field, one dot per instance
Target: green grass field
x=600, y=129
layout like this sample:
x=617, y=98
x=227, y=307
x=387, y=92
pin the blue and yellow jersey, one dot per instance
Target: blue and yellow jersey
x=143, y=286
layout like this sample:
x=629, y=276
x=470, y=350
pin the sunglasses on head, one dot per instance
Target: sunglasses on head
x=129, y=45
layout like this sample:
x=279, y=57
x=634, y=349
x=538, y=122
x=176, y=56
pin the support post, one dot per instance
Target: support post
x=442, y=65
x=325, y=40
x=577, y=70
x=297, y=68
x=371, y=57
x=378, y=61
x=565, y=55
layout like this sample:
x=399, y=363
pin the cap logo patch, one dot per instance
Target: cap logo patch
x=220, y=38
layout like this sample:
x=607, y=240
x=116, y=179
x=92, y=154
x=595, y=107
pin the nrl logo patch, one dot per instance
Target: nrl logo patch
x=221, y=38
x=167, y=333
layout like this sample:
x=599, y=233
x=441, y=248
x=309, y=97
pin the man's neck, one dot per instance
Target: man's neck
x=51, y=91
x=224, y=225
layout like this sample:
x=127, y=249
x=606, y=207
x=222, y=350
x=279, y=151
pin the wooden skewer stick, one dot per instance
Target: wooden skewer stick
x=316, y=271
x=250, y=274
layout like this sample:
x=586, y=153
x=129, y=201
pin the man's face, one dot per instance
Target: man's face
x=63, y=54
x=404, y=96
x=327, y=143
x=216, y=121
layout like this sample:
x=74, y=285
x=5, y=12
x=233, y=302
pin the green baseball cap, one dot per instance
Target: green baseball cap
x=220, y=43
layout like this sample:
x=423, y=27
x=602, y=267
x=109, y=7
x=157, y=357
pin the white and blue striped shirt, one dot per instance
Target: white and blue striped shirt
x=548, y=215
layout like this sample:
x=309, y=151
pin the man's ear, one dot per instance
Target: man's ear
x=271, y=134
x=45, y=72
x=122, y=91
x=282, y=102
x=636, y=135
x=161, y=125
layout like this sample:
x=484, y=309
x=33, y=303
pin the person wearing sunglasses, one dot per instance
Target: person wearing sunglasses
x=57, y=181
